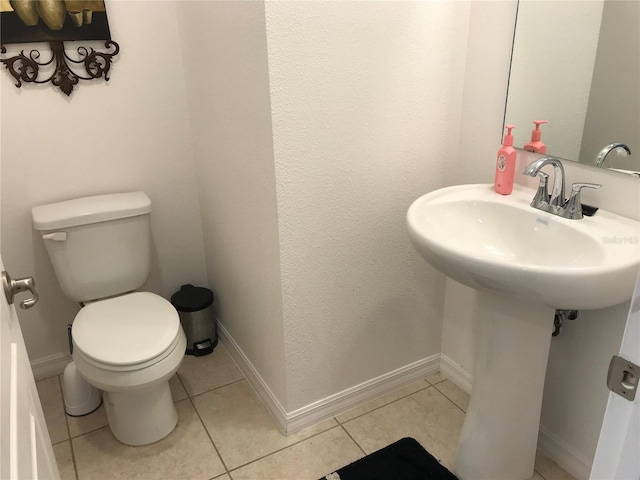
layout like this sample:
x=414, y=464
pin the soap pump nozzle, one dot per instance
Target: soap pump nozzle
x=536, y=134
x=535, y=144
x=508, y=138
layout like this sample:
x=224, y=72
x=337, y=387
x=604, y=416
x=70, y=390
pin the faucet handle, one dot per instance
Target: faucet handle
x=542, y=195
x=576, y=187
x=573, y=208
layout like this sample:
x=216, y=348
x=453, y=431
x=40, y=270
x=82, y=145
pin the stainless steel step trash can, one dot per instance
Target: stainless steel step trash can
x=195, y=308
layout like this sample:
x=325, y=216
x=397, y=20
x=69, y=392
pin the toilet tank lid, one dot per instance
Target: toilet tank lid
x=87, y=210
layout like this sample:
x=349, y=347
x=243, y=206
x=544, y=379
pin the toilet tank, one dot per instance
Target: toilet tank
x=99, y=246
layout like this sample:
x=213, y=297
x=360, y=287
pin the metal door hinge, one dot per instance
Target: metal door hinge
x=623, y=377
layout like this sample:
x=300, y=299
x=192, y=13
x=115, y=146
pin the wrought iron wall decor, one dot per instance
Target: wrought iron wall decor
x=56, y=21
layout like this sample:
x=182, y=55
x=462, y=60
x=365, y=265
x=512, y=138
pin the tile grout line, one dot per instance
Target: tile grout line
x=89, y=431
x=382, y=406
x=221, y=475
x=47, y=378
x=230, y=471
x=193, y=405
x=435, y=383
x=445, y=396
x=210, y=390
x=283, y=448
x=66, y=422
x=428, y=385
x=351, y=437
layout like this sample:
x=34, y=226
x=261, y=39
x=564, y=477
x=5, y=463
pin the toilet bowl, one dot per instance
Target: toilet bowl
x=130, y=346
x=127, y=343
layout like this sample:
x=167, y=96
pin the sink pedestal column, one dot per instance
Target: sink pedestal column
x=500, y=432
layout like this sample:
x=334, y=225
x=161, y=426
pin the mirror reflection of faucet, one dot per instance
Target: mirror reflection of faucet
x=555, y=202
x=620, y=148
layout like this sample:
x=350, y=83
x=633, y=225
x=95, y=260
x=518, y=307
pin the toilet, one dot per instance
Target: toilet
x=126, y=342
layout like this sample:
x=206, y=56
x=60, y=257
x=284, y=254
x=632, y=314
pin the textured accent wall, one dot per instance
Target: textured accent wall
x=365, y=100
x=315, y=125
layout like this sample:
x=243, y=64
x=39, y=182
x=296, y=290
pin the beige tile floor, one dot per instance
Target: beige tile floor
x=224, y=431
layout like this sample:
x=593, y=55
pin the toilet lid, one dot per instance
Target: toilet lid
x=126, y=330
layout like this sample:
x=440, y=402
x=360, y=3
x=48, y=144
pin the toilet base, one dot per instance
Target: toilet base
x=141, y=417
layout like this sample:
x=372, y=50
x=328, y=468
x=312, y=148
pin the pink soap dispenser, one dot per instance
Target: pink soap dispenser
x=535, y=145
x=506, y=164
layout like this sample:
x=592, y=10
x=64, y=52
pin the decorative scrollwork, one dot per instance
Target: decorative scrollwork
x=21, y=67
x=63, y=76
x=96, y=64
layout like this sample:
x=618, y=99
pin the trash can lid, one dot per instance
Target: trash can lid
x=192, y=299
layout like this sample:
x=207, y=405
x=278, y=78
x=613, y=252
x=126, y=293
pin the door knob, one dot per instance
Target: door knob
x=13, y=287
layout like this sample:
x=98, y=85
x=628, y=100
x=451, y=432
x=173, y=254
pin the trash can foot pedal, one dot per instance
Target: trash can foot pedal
x=203, y=347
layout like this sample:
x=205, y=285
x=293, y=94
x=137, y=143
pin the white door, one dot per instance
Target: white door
x=25, y=447
x=618, y=453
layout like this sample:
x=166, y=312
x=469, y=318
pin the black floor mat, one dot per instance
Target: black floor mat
x=405, y=459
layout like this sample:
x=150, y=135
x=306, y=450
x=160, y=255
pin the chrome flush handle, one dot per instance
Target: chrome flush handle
x=13, y=287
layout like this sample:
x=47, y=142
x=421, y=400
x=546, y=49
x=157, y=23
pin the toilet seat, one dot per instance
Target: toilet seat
x=125, y=333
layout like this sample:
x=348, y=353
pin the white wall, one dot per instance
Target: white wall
x=231, y=121
x=365, y=102
x=126, y=134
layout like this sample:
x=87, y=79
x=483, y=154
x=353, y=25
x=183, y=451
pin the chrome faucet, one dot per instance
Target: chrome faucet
x=602, y=156
x=557, y=193
x=555, y=202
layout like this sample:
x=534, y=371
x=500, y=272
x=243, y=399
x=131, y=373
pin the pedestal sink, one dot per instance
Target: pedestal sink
x=525, y=263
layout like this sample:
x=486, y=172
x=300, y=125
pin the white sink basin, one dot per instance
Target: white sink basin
x=499, y=243
x=524, y=264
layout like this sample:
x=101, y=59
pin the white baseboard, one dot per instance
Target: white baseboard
x=357, y=395
x=455, y=373
x=334, y=404
x=563, y=454
x=50, y=366
x=253, y=377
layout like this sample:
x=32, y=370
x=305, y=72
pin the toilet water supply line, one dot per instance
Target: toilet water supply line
x=560, y=317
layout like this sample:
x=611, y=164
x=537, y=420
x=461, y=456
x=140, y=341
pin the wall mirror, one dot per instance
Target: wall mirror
x=576, y=64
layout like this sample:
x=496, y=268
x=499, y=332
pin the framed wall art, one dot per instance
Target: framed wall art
x=56, y=22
